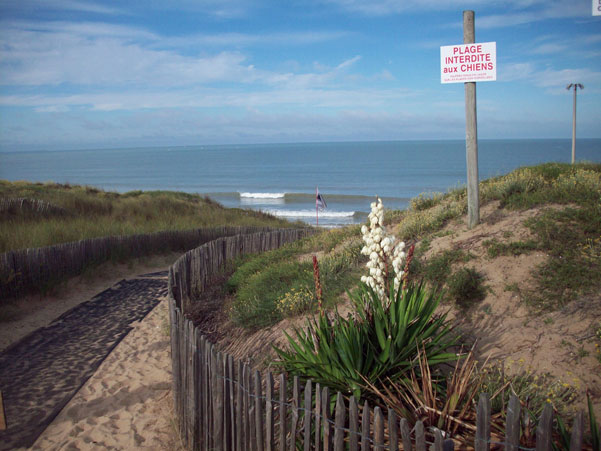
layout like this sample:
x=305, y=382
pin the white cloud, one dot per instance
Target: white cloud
x=246, y=39
x=285, y=95
x=59, y=5
x=99, y=54
x=91, y=56
x=559, y=78
x=516, y=12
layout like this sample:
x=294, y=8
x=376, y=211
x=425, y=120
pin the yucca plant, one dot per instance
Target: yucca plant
x=380, y=343
x=444, y=400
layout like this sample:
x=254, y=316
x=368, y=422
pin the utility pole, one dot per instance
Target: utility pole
x=471, y=132
x=576, y=86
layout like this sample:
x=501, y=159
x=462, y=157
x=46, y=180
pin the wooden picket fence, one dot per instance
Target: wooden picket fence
x=27, y=270
x=223, y=404
x=38, y=207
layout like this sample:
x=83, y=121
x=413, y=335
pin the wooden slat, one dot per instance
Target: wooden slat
x=353, y=425
x=246, y=409
x=512, y=424
x=2, y=414
x=393, y=431
x=282, y=412
x=406, y=435
x=240, y=442
x=217, y=402
x=294, y=417
x=206, y=394
x=196, y=391
x=365, y=425
x=420, y=437
x=544, y=430
x=482, y=442
x=378, y=428
x=577, y=432
x=252, y=423
x=258, y=411
x=269, y=411
x=232, y=402
x=227, y=405
x=437, y=440
x=339, y=423
x=318, y=429
x=307, y=416
x=325, y=413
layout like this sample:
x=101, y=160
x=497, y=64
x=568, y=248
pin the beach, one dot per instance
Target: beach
x=127, y=403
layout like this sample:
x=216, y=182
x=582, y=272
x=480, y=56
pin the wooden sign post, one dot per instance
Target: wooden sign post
x=468, y=64
x=471, y=132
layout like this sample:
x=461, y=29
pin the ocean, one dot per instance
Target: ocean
x=282, y=178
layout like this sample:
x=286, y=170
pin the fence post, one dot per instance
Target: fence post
x=483, y=423
x=217, y=401
x=307, y=416
x=353, y=420
x=405, y=435
x=378, y=429
x=325, y=409
x=544, y=431
x=393, y=431
x=282, y=414
x=437, y=440
x=512, y=424
x=295, y=411
x=365, y=423
x=258, y=411
x=339, y=422
x=317, y=417
x=227, y=406
x=232, y=400
x=269, y=423
x=420, y=437
x=251, y=412
x=240, y=442
x=577, y=432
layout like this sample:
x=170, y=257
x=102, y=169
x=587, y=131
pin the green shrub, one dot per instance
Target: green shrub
x=379, y=344
x=256, y=302
x=466, y=287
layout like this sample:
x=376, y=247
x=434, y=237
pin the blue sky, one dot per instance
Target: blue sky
x=93, y=74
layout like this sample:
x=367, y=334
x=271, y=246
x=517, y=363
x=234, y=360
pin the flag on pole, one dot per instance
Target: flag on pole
x=320, y=202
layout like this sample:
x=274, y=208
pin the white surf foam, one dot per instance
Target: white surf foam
x=263, y=195
x=310, y=213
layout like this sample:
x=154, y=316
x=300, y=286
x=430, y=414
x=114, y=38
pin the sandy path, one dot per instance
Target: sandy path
x=132, y=386
x=127, y=403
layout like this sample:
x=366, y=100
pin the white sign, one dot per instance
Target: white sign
x=596, y=7
x=468, y=62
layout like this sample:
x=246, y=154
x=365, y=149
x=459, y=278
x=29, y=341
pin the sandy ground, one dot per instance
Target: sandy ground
x=127, y=404
x=559, y=343
x=32, y=312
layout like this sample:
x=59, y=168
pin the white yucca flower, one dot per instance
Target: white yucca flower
x=386, y=256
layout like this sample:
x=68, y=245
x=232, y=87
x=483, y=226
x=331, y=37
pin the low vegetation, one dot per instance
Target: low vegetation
x=330, y=349
x=71, y=213
x=273, y=285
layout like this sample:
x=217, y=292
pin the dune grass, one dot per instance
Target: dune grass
x=570, y=238
x=85, y=212
x=276, y=284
